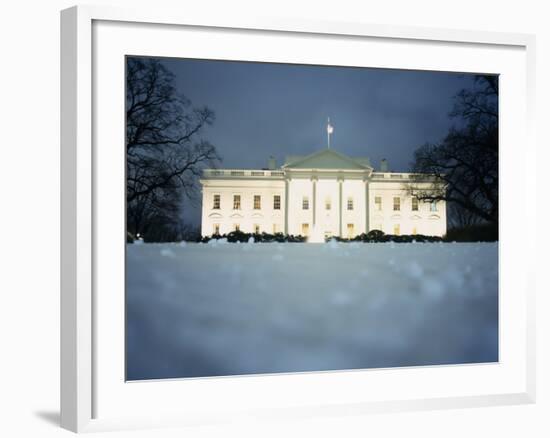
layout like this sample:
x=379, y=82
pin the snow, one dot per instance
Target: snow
x=216, y=242
x=224, y=309
x=167, y=252
x=413, y=269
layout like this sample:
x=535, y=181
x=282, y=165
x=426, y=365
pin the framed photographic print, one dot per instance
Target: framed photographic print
x=276, y=218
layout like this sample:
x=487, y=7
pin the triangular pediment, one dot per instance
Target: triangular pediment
x=326, y=159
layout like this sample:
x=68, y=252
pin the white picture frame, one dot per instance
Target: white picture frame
x=86, y=376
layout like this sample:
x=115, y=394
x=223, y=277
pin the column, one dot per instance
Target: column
x=287, y=180
x=314, y=198
x=340, y=206
x=367, y=204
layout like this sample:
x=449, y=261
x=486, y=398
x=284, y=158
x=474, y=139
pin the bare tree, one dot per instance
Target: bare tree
x=165, y=152
x=155, y=216
x=464, y=166
x=459, y=217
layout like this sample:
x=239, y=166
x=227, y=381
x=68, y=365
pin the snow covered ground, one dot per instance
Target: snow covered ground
x=225, y=309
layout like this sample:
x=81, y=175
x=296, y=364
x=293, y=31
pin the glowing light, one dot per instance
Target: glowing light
x=316, y=236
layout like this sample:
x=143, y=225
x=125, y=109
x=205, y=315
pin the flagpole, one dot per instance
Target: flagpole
x=328, y=132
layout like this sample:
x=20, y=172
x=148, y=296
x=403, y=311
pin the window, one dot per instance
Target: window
x=217, y=229
x=350, y=203
x=414, y=231
x=236, y=202
x=305, y=229
x=414, y=204
x=216, y=202
x=350, y=231
x=378, y=202
x=276, y=202
x=256, y=229
x=396, y=229
x=327, y=204
x=237, y=227
x=305, y=203
x=433, y=206
x=396, y=203
x=257, y=202
x=275, y=228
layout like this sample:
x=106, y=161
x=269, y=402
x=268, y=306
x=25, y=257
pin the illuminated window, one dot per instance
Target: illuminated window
x=257, y=202
x=305, y=203
x=256, y=229
x=237, y=227
x=216, y=229
x=236, y=202
x=216, y=202
x=414, y=204
x=351, y=232
x=433, y=206
x=414, y=231
x=350, y=203
x=396, y=229
x=378, y=202
x=305, y=229
x=396, y=203
x=327, y=204
x=275, y=228
x=276, y=202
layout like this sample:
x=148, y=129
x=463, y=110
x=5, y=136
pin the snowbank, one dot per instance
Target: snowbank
x=224, y=309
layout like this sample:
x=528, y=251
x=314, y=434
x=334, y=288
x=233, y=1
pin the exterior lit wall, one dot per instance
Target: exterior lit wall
x=424, y=221
x=354, y=189
x=298, y=188
x=246, y=217
x=327, y=221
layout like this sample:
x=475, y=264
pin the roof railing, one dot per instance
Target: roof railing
x=242, y=173
x=265, y=173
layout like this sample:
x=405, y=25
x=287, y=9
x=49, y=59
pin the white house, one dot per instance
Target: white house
x=326, y=193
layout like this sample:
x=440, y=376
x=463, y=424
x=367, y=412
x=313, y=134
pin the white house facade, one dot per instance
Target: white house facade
x=327, y=193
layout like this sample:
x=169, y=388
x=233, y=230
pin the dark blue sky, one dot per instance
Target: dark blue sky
x=280, y=109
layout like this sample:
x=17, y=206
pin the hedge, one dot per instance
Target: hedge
x=240, y=236
x=374, y=236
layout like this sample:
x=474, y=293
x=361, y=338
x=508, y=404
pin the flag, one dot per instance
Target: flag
x=330, y=128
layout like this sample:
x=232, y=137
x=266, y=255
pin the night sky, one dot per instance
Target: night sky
x=280, y=109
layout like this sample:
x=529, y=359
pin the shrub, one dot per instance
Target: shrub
x=377, y=236
x=240, y=236
x=373, y=236
x=474, y=233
